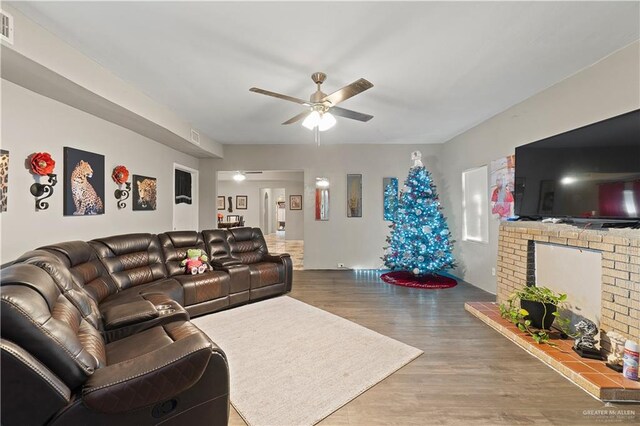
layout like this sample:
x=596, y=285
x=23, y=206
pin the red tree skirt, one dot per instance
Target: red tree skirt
x=407, y=279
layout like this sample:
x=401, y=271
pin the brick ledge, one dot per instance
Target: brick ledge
x=590, y=375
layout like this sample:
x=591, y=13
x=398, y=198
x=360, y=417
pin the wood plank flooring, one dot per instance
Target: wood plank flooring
x=468, y=375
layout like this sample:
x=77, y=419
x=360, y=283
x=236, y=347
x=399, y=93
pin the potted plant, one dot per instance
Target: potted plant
x=534, y=309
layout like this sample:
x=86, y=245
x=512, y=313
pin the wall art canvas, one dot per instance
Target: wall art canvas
x=389, y=197
x=83, y=183
x=502, y=182
x=354, y=195
x=4, y=179
x=241, y=202
x=295, y=202
x=322, y=203
x=220, y=202
x=144, y=193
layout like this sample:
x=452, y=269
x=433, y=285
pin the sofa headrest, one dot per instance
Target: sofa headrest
x=34, y=278
x=245, y=233
x=182, y=238
x=76, y=252
x=128, y=243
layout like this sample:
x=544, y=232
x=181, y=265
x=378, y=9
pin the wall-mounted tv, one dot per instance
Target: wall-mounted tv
x=592, y=172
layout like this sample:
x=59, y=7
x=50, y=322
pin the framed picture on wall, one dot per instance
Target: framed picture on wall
x=354, y=195
x=83, y=183
x=241, y=202
x=4, y=179
x=220, y=202
x=144, y=193
x=295, y=202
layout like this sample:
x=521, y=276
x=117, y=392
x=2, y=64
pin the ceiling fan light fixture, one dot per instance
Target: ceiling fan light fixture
x=239, y=177
x=327, y=122
x=312, y=120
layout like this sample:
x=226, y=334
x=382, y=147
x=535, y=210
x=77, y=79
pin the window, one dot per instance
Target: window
x=475, y=210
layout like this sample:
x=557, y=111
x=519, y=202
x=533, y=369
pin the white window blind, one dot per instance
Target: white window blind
x=475, y=205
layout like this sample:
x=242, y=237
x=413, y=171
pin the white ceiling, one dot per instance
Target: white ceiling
x=265, y=175
x=438, y=68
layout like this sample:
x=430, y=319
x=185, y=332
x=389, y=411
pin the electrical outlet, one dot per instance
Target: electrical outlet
x=493, y=272
x=340, y=265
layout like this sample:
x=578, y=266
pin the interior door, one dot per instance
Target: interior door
x=185, y=214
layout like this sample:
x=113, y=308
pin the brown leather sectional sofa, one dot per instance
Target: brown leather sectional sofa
x=98, y=332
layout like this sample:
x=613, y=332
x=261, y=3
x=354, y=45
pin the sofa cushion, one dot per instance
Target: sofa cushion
x=215, y=241
x=203, y=287
x=38, y=318
x=57, y=266
x=87, y=270
x=132, y=259
x=247, y=244
x=174, y=248
x=167, y=286
x=266, y=273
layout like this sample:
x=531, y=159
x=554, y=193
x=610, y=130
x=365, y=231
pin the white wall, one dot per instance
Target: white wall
x=606, y=89
x=251, y=188
x=30, y=123
x=356, y=242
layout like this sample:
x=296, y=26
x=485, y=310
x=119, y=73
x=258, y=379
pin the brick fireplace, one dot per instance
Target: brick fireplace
x=620, y=249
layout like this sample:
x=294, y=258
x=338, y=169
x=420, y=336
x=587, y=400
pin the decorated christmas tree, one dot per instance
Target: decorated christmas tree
x=420, y=241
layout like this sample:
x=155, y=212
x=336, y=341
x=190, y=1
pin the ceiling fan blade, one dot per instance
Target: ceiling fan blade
x=298, y=117
x=280, y=96
x=348, y=91
x=347, y=113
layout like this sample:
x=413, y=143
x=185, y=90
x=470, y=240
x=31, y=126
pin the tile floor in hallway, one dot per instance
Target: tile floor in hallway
x=277, y=244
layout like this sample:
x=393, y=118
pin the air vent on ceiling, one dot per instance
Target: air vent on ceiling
x=195, y=137
x=6, y=26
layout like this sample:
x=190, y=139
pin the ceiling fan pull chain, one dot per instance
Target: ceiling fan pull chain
x=316, y=133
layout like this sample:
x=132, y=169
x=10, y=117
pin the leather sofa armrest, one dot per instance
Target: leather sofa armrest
x=117, y=316
x=224, y=262
x=276, y=257
x=31, y=393
x=168, y=371
x=286, y=261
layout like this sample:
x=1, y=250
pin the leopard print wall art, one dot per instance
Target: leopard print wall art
x=83, y=183
x=144, y=193
x=4, y=179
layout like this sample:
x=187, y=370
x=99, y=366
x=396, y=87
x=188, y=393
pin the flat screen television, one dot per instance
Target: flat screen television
x=591, y=173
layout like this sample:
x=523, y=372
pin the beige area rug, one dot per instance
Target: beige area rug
x=292, y=364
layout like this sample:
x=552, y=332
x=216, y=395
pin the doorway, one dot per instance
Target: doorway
x=185, y=198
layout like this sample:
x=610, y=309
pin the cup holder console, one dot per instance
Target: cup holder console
x=166, y=311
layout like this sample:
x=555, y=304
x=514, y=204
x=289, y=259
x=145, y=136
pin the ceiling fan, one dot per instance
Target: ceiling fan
x=321, y=106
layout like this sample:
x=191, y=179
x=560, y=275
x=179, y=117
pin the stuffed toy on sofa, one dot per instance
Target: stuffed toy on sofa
x=195, y=262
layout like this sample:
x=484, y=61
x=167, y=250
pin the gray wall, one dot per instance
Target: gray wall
x=251, y=188
x=606, y=89
x=30, y=123
x=356, y=242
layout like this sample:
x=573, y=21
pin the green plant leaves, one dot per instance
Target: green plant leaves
x=512, y=312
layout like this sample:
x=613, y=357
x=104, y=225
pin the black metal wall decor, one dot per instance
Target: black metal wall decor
x=123, y=194
x=120, y=175
x=42, y=164
x=230, y=209
x=42, y=191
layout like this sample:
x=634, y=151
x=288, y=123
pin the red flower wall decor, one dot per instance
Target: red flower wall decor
x=42, y=164
x=120, y=175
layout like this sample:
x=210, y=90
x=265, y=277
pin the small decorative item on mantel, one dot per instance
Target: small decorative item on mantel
x=120, y=176
x=585, y=345
x=614, y=360
x=41, y=164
